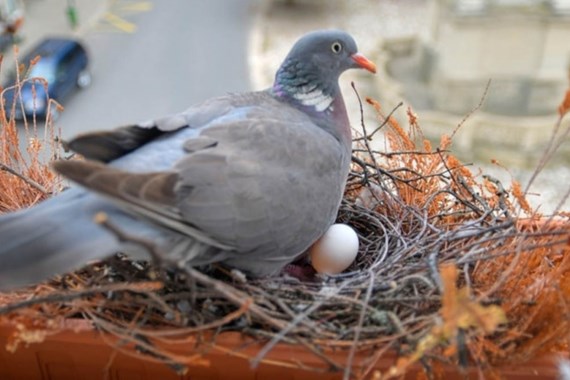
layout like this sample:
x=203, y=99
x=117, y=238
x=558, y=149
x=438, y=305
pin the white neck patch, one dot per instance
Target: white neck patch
x=315, y=98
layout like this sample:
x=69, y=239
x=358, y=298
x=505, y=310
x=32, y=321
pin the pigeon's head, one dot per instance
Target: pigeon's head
x=311, y=70
x=330, y=52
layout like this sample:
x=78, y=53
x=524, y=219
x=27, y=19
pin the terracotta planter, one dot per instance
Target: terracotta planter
x=85, y=355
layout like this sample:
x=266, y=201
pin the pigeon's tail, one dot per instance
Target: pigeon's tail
x=54, y=237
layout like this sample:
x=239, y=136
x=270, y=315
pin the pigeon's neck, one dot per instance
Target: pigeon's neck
x=320, y=98
x=299, y=83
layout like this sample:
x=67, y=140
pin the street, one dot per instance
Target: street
x=180, y=53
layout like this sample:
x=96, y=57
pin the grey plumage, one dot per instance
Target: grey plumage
x=250, y=180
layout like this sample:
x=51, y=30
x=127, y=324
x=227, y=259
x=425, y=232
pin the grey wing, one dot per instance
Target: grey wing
x=148, y=195
x=109, y=145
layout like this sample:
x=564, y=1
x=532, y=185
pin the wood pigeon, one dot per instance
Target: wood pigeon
x=248, y=180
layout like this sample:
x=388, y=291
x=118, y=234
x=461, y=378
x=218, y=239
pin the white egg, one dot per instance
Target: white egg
x=335, y=250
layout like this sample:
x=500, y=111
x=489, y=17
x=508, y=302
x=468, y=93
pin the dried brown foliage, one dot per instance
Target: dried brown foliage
x=25, y=176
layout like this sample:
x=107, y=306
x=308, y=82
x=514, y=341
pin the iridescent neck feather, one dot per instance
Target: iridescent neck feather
x=299, y=83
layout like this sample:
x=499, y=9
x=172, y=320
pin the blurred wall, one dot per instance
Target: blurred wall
x=523, y=46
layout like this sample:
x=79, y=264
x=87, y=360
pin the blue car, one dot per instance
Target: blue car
x=63, y=65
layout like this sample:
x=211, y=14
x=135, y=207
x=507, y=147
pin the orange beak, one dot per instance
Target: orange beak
x=364, y=62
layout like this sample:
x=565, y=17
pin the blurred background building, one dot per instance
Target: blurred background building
x=521, y=46
x=507, y=59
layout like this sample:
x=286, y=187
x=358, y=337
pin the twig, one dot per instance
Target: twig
x=67, y=296
x=358, y=327
x=382, y=125
x=283, y=332
x=551, y=147
x=29, y=181
x=365, y=139
x=477, y=107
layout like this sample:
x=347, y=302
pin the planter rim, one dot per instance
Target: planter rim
x=79, y=332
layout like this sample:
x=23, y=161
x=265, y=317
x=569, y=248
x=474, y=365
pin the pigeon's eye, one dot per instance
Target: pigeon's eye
x=336, y=47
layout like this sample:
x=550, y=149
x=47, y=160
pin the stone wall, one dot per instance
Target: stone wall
x=525, y=52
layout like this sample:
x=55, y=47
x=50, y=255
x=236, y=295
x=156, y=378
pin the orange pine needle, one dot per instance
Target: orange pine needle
x=565, y=105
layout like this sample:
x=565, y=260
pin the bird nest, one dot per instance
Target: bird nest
x=452, y=266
